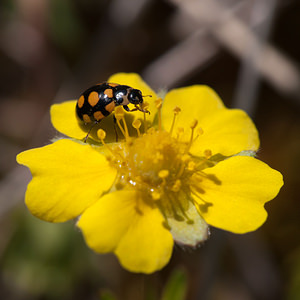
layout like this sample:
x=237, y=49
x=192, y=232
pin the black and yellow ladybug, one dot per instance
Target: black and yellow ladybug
x=100, y=100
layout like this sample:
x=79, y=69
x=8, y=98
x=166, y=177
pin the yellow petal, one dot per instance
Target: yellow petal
x=63, y=118
x=228, y=131
x=235, y=191
x=68, y=177
x=137, y=237
x=223, y=130
x=104, y=223
x=195, y=102
x=136, y=82
x=189, y=234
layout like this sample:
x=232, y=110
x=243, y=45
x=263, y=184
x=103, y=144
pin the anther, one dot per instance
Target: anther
x=119, y=113
x=207, y=153
x=137, y=124
x=199, y=131
x=176, y=111
x=180, y=131
x=158, y=103
x=185, y=157
x=155, y=195
x=194, y=124
x=191, y=166
x=176, y=186
x=101, y=134
x=163, y=174
x=145, y=106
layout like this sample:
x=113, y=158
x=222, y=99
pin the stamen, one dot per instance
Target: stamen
x=176, y=186
x=192, y=126
x=180, y=131
x=165, y=222
x=172, y=208
x=176, y=111
x=191, y=166
x=203, y=207
x=126, y=128
x=155, y=195
x=199, y=132
x=182, y=210
x=137, y=124
x=207, y=153
x=145, y=106
x=102, y=135
x=184, y=159
x=119, y=115
x=163, y=174
x=158, y=103
x=189, y=220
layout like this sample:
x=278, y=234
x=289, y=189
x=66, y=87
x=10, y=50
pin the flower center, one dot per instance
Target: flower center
x=158, y=165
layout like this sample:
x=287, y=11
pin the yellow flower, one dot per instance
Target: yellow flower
x=163, y=182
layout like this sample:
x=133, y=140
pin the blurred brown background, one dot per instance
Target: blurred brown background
x=247, y=50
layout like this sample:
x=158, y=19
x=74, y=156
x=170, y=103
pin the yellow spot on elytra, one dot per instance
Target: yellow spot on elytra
x=109, y=93
x=81, y=101
x=86, y=118
x=110, y=106
x=98, y=115
x=93, y=98
x=113, y=84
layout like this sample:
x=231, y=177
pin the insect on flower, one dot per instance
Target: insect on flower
x=100, y=100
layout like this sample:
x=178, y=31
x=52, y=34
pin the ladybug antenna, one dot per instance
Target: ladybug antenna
x=147, y=96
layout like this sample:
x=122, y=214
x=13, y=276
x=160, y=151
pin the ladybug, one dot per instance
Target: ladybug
x=100, y=100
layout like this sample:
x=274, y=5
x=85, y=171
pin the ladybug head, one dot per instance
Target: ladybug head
x=135, y=96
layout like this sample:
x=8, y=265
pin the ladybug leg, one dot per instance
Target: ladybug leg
x=140, y=109
x=85, y=139
x=115, y=128
x=135, y=109
x=126, y=108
